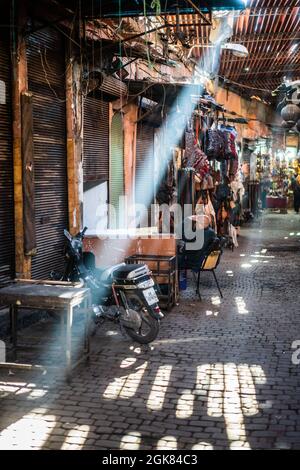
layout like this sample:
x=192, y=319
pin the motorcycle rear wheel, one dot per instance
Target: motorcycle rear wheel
x=144, y=335
x=150, y=326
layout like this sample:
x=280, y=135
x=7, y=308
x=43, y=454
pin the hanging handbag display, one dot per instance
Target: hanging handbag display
x=215, y=145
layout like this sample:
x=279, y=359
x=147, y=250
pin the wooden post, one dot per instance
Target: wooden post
x=19, y=85
x=74, y=145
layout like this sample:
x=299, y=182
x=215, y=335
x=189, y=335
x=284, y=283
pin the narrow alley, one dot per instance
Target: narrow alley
x=221, y=374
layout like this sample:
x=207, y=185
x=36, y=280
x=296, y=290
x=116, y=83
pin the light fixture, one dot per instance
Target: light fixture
x=237, y=49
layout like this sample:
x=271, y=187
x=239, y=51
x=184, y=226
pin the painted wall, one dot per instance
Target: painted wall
x=130, y=129
x=260, y=115
x=95, y=214
x=129, y=113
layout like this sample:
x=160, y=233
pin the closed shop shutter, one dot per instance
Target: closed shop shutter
x=6, y=166
x=95, y=140
x=46, y=80
x=116, y=181
x=144, y=171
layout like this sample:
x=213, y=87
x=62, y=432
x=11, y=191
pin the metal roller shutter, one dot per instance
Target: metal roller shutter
x=144, y=171
x=46, y=77
x=116, y=181
x=95, y=140
x=6, y=167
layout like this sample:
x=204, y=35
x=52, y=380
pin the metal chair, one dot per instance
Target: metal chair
x=210, y=263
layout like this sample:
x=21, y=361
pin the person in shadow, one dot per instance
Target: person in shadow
x=193, y=258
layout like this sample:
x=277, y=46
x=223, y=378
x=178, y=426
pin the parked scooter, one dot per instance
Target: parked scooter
x=124, y=293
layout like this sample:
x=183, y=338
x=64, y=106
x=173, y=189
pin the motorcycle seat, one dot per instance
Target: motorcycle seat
x=121, y=271
x=108, y=272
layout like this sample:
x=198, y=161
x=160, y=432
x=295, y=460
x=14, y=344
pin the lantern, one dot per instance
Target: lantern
x=291, y=112
x=287, y=124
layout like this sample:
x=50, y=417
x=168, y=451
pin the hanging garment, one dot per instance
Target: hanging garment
x=224, y=169
x=201, y=163
x=189, y=156
x=237, y=188
x=208, y=210
x=216, y=146
x=186, y=186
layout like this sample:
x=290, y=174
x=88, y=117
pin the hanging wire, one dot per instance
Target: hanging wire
x=120, y=51
x=227, y=80
x=48, y=81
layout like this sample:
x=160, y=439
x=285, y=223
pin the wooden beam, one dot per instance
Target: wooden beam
x=272, y=71
x=74, y=118
x=259, y=37
x=19, y=85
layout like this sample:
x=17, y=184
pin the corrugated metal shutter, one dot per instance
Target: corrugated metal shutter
x=116, y=181
x=144, y=170
x=46, y=77
x=6, y=166
x=95, y=140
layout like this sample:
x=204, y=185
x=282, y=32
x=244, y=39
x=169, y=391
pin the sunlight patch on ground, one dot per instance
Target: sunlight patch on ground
x=129, y=361
x=210, y=313
x=241, y=305
x=233, y=415
x=76, y=437
x=27, y=432
x=185, y=405
x=216, y=300
x=246, y=265
x=248, y=393
x=202, y=446
x=131, y=441
x=263, y=256
x=125, y=386
x=167, y=443
x=202, y=378
x=216, y=390
x=159, y=388
x=258, y=375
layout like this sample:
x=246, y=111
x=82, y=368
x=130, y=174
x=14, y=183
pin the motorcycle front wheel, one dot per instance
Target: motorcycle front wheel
x=149, y=328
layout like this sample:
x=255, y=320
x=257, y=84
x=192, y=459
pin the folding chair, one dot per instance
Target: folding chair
x=210, y=263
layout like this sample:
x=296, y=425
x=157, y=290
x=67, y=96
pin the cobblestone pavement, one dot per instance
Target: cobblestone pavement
x=220, y=375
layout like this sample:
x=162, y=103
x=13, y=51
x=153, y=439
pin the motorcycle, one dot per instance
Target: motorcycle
x=124, y=293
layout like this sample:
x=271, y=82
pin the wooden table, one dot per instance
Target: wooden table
x=60, y=298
